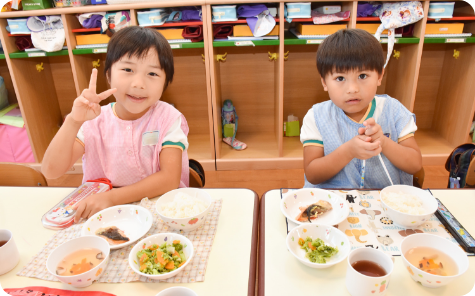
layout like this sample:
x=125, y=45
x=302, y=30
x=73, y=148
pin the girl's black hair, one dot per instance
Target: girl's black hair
x=137, y=41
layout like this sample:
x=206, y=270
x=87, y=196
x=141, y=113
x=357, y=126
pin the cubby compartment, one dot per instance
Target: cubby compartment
x=444, y=104
x=463, y=15
x=249, y=79
x=45, y=87
x=249, y=74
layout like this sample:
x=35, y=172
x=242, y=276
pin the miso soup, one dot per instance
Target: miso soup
x=79, y=262
x=432, y=261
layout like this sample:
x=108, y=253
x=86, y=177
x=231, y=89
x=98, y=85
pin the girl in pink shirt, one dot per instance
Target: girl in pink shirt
x=138, y=142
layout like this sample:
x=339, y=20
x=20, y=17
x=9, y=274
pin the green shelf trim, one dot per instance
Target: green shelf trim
x=2, y=56
x=291, y=39
x=89, y=50
x=256, y=43
x=450, y=40
x=184, y=45
x=19, y=55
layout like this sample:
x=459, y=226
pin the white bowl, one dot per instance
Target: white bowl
x=159, y=239
x=436, y=242
x=188, y=223
x=410, y=220
x=304, y=197
x=134, y=221
x=84, y=279
x=330, y=235
x=177, y=291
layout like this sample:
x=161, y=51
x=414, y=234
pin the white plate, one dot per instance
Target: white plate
x=159, y=239
x=134, y=221
x=329, y=235
x=304, y=197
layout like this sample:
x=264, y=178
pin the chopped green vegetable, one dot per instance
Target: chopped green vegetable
x=161, y=259
x=317, y=251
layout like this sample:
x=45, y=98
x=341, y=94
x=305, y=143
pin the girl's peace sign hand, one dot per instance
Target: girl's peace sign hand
x=86, y=106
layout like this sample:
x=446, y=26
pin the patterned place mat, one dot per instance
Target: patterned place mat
x=118, y=269
x=368, y=225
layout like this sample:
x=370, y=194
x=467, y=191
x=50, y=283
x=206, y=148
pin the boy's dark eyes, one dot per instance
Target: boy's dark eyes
x=153, y=74
x=127, y=70
x=362, y=76
x=340, y=78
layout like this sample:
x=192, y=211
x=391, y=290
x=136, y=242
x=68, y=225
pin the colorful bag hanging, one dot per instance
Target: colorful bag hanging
x=395, y=15
x=47, y=32
x=195, y=33
x=230, y=125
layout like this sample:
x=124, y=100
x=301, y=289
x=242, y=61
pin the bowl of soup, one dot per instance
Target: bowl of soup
x=432, y=260
x=80, y=261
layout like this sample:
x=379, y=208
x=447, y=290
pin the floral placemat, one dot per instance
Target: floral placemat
x=118, y=270
x=368, y=225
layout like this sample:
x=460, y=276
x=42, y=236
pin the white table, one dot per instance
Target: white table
x=231, y=267
x=281, y=274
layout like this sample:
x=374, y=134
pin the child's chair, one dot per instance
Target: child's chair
x=418, y=178
x=15, y=174
x=197, y=174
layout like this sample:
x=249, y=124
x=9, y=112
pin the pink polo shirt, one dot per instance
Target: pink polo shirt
x=125, y=151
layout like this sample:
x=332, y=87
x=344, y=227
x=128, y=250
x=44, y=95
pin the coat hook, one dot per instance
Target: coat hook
x=286, y=56
x=221, y=57
x=203, y=57
x=456, y=54
x=95, y=64
x=397, y=54
x=272, y=56
x=39, y=67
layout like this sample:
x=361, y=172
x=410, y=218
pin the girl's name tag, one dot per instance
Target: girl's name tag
x=150, y=138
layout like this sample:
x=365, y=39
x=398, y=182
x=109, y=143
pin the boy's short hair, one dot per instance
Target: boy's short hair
x=350, y=49
x=137, y=41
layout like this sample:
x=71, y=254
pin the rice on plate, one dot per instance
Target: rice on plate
x=183, y=206
x=404, y=203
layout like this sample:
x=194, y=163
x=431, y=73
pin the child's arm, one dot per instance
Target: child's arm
x=64, y=150
x=168, y=178
x=405, y=155
x=320, y=168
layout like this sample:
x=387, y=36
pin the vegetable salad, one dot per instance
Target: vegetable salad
x=316, y=251
x=161, y=259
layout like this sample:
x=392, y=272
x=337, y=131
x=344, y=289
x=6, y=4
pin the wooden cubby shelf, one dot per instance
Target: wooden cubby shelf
x=267, y=80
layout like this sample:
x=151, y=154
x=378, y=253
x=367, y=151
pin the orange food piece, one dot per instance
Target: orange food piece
x=160, y=258
x=176, y=242
x=428, y=264
x=170, y=265
x=81, y=267
x=176, y=254
x=143, y=267
x=182, y=263
x=301, y=242
x=151, y=248
x=311, y=247
x=143, y=258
